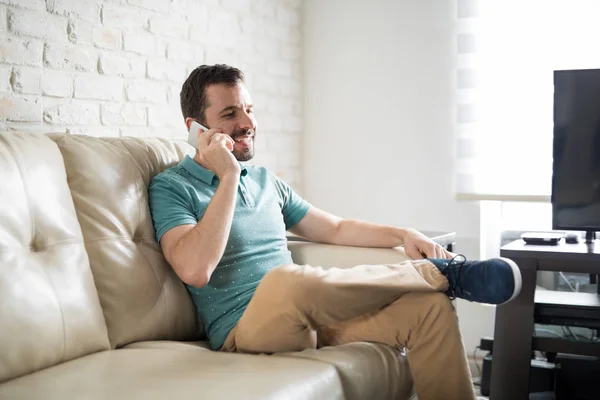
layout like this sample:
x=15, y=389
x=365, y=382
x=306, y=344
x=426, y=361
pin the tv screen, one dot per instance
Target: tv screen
x=576, y=150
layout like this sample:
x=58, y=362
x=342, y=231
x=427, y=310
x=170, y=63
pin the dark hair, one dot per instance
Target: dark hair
x=193, y=92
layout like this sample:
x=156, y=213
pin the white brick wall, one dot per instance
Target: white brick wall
x=57, y=83
x=120, y=64
x=37, y=24
x=89, y=86
x=127, y=114
x=21, y=108
x=26, y=80
x=68, y=56
x=20, y=51
x=106, y=37
x=80, y=32
x=5, y=72
x=115, y=67
x=73, y=112
x=87, y=10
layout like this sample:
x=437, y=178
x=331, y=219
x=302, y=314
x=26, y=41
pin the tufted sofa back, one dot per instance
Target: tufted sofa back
x=80, y=269
x=49, y=306
x=141, y=296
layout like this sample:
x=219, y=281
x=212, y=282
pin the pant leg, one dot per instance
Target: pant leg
x=427, y=325
x=293, y=301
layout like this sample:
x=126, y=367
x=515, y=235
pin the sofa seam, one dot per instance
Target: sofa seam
x=51, y=246
x=61, y=144
x=109, y=238
x=158, y=282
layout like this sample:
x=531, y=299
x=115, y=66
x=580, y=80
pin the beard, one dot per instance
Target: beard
x=247, y=153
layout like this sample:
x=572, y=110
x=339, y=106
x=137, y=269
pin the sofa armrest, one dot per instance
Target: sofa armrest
x=328, y=255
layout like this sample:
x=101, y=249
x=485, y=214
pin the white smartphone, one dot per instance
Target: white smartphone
x=193, y=133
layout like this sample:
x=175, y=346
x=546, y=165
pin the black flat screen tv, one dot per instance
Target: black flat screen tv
x=576, y=151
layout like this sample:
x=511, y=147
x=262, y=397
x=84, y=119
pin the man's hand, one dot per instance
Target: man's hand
x=215, y=153
x=417, y=245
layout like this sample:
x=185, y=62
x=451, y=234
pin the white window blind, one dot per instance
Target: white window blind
x=506, y=53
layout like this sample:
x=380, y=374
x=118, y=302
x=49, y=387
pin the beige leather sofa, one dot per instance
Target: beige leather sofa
x=89, y=309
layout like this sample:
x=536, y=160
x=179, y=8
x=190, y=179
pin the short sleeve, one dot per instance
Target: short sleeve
x=170, y=205
x=294, y=207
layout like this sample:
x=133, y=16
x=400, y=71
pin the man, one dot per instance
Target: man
x=222, y=227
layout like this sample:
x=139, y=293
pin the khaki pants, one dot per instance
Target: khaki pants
x=299, y=307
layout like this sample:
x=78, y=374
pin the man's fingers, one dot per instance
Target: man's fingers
x=230, y=142
x=218, y=138
x=420, y=252
x=223, y=139
x=413, y=252
x=207, y=136
x=448, y=254
x=434, y=251
x=431, y=251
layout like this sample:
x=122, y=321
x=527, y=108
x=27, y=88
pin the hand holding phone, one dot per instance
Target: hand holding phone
x=194, y=133
x=211, y=152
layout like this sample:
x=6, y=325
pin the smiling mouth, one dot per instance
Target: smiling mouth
x=242, y=139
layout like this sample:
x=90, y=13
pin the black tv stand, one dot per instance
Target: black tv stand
x=590, y=236
x=514, y=338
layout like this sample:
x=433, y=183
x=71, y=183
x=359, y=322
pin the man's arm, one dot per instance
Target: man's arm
x=320, y=226
x=194, y=251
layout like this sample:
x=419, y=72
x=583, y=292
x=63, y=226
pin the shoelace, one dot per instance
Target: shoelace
x=454, y=267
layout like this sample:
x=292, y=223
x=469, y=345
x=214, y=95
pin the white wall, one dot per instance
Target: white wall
x=115, y=67
x=379, y=116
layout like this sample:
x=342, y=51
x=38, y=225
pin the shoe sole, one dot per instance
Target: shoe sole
x=516, y=275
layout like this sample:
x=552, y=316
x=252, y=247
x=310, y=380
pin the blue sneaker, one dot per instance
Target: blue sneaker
x=493, y=281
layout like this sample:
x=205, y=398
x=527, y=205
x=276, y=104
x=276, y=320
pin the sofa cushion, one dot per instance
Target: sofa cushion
x=366, y=370
x=49, y=308
x=169, y=344
x=180, y=373
x=141, y=296
x=329, y=255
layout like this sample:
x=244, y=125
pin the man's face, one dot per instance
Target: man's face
x=230, y=109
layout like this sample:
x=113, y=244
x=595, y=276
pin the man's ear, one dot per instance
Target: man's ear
x=188, y=122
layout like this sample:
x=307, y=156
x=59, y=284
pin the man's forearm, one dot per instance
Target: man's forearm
x=199, y=251
x=352, y=232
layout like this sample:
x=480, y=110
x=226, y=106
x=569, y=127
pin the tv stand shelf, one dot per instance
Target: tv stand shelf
x=568, y=299
x=514, y=327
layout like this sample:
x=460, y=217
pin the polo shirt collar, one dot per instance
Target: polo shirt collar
x=205, y=175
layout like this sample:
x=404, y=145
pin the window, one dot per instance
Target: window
x=505, y=57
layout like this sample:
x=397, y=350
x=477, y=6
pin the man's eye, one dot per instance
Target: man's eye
x=249, y=111
x=229, y=115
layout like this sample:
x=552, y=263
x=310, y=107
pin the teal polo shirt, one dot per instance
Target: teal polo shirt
x=265, y=209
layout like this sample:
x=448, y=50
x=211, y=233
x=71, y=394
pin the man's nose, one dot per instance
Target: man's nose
x=248, y=122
